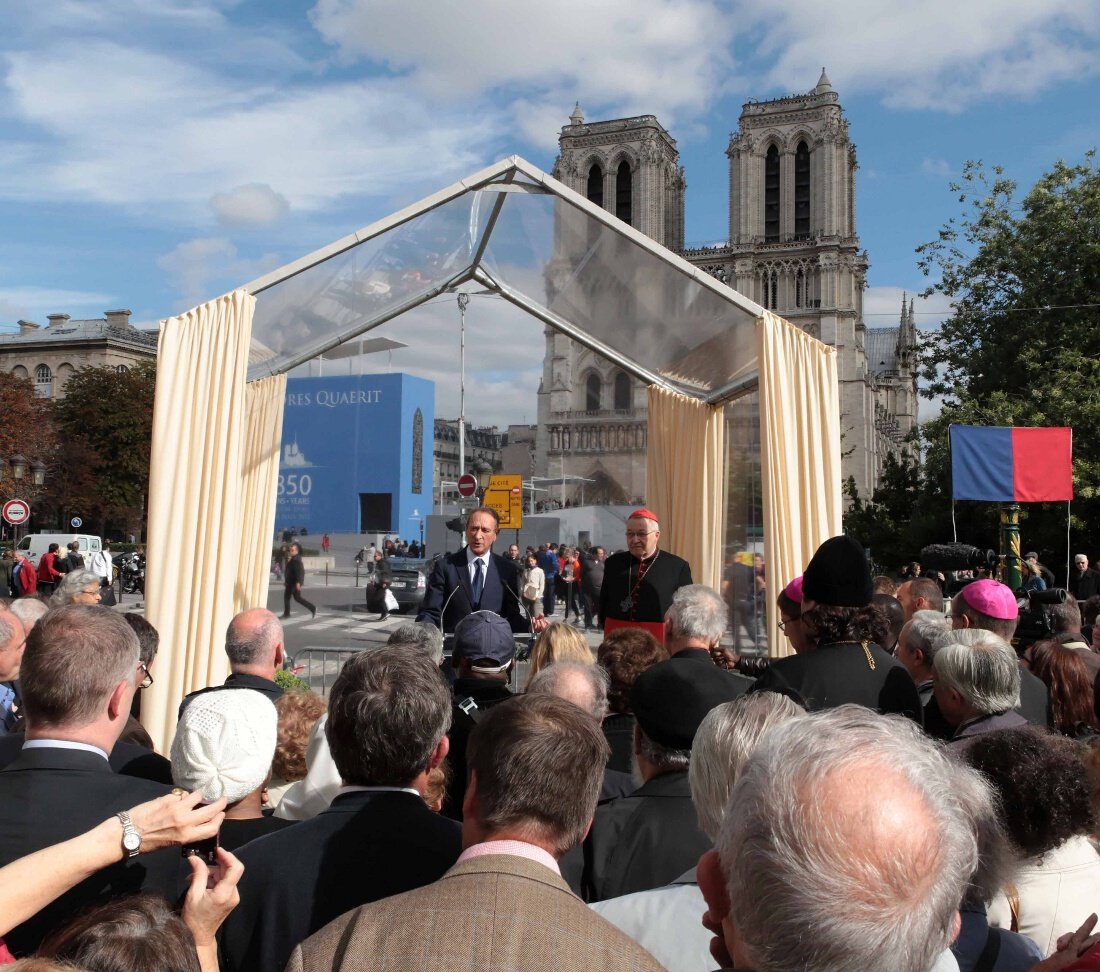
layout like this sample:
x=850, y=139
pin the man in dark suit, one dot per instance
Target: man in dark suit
x=650, y=837
x=1084, y=582
x=475, y=579
x=535, y=768
x=389, y=712
x=254, y=644
x=293, y=580
x=79, y=673
x=638, y=583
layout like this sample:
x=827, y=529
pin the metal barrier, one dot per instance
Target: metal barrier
x=320, y=664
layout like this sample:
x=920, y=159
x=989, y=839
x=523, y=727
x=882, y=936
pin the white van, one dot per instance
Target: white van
x=34, y=545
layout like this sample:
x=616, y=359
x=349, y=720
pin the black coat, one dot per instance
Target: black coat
x=295, y=572
x=127, y=759
x=644, y=840
x=485, y=693
x=834, y=675
x=51, y=795
x=365, y=846
x=666, y=574
x=265, y=686
x=1084, y=584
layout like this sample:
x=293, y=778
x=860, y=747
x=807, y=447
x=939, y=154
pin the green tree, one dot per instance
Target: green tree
x=106, y=423
x=1022, y=346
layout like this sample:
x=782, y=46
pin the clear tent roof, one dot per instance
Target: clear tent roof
x=521, y=234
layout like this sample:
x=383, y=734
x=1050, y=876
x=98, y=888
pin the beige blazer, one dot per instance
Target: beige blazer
x=494, y=912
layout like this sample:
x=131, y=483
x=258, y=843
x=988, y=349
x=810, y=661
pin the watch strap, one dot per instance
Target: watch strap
x=131, y=839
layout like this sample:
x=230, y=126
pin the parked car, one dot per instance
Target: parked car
x=410, y=580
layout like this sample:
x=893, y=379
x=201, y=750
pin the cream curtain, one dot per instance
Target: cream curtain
x=684, y=464
x=800, y=453
x=195, y=506
x=263, y=434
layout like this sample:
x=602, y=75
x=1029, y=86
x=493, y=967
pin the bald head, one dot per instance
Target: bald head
x=583, y=685
x=254, y=643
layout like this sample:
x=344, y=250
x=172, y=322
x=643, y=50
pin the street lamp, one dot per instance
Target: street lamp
x=484, y=473
x=18, y=466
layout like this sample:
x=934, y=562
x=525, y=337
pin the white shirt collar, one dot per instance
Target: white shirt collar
x=349, y=788
x=63, y=744
x=471, y=557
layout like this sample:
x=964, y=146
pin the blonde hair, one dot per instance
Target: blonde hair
x=559, y=642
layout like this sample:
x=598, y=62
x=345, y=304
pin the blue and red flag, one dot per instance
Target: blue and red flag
x=1011, y=465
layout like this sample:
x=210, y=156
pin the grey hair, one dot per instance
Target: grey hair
x=723, y=744
x=697, y=611
x=982, y=668
x=818, y=876
x=662, y=757
x=1067, y=615
x=996, y=858
x=554, y=680
x=7, y=629
x=72, y=584
x=926, y=630
x=251, y=645
x=28, y=610
x=421, y=633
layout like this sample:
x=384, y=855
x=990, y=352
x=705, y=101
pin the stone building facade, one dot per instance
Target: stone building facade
x=49, y=355
x=793, y=247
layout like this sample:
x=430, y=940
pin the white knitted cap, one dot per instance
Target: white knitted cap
x=224, y=743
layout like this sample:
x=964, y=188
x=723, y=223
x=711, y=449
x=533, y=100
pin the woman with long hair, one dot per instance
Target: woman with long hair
x=559, y=642
x=1064, y=674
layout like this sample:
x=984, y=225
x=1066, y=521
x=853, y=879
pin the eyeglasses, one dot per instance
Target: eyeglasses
x=148, y=680
x=783, y=623
x=93, y=593
x=639, y=534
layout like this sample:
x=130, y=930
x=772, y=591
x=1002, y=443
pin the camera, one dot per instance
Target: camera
x=1037, y=622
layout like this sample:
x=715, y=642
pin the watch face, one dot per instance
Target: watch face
x=131, y=841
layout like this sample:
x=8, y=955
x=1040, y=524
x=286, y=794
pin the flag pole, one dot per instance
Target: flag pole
x=1010, y=544
x=1069, y=553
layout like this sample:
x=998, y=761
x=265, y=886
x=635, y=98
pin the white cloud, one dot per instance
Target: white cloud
x=255, y=204
x=668, y=57
x=938, y=54
x=34, y=303
x=940, y=168
x=195, y=265
x=158, y=133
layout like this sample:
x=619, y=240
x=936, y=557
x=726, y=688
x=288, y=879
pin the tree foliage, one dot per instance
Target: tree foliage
x=1022, y=346
x=105, y=421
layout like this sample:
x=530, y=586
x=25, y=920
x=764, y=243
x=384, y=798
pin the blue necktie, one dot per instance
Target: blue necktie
x=479, y=580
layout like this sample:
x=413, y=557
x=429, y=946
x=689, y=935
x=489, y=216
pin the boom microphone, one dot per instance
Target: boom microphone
x=955, y=556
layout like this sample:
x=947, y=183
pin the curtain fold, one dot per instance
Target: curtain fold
x=684, y=480
x=800, y=453
x=195, y=507
x=264, y=400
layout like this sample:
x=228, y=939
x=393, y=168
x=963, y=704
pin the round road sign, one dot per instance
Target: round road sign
x=76, y=523
x=15, y=511
x=467, y=485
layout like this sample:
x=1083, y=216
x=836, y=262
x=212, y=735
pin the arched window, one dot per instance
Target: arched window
x=122, y=369
x=624, y=191
x=802, y=190
x=592, y=390
x=595, y=185
x=43, y=379
x=800, y=288
x=771, y=195
x=622, y=391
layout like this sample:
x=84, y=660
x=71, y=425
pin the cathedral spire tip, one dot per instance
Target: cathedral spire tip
x=577, y=118
x=823, y=83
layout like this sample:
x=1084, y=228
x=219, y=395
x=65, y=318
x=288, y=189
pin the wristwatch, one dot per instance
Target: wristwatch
x=131, y=839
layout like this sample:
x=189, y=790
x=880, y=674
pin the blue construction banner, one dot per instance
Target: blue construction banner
x=356, y=454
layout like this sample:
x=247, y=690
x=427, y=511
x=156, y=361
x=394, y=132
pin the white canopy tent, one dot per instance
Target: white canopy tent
x=518, y=233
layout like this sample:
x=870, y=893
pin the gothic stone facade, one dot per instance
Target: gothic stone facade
x=792, y=247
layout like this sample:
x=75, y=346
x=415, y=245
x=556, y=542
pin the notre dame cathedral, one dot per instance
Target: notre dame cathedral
x=792, y=248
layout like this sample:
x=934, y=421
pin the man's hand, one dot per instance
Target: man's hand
x=177, y=818
x=540, y=624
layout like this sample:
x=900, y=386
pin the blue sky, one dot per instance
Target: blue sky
x=156, y=153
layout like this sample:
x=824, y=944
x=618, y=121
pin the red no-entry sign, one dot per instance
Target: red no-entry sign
x=467, y=485
x=15, y=511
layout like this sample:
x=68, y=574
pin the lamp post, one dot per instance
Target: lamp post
x=18, y=465
x=484, y=473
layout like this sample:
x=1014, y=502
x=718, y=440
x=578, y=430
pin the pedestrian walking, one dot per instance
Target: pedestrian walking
x=294, y=579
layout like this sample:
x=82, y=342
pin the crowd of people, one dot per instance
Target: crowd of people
x=908, y=789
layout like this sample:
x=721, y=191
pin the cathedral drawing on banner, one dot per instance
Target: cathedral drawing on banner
x=793, y=248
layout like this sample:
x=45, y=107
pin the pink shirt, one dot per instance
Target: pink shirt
x=516, y=848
